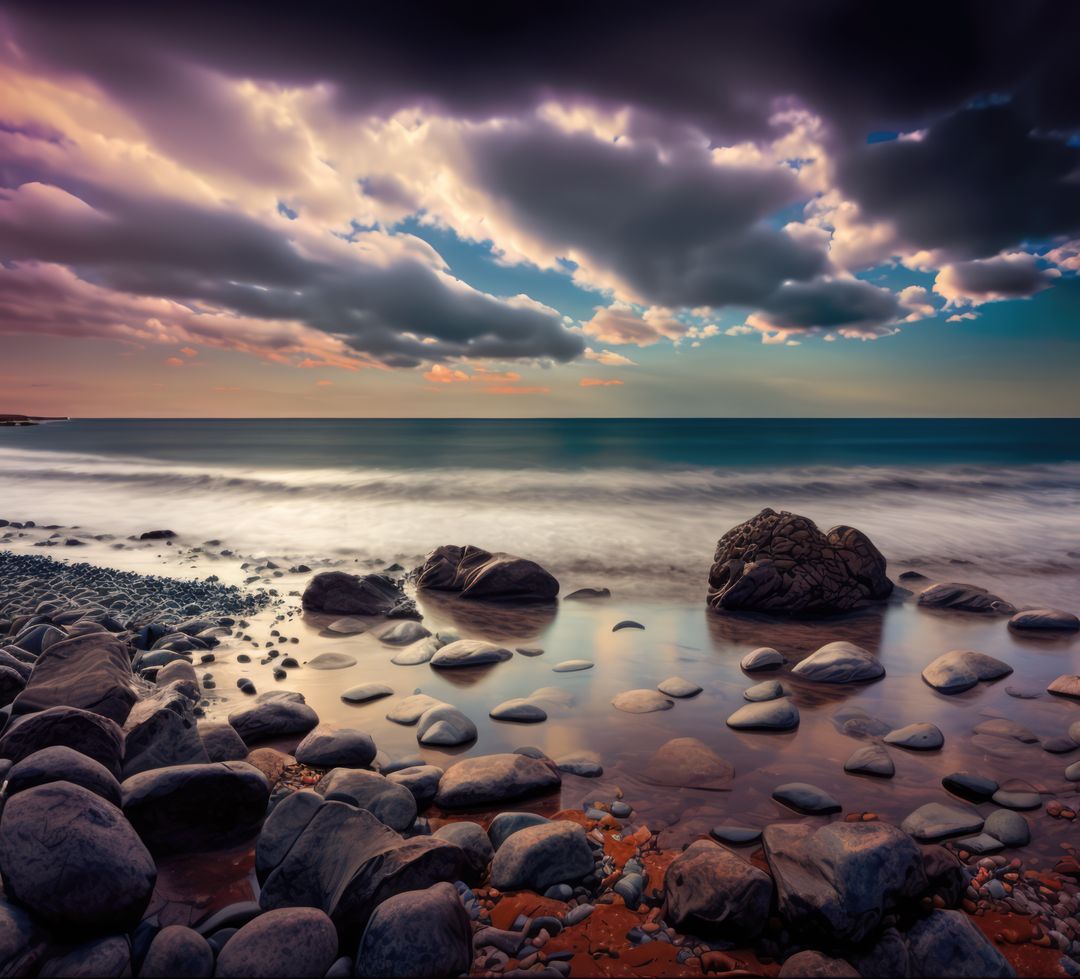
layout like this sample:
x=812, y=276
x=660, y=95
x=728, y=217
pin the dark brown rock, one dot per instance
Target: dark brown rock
x=480, y=574
x=350, y=594
x=957, y=597
x=91, y=734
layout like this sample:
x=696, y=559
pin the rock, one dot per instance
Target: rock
x=411, y=709
x=838, y=881
x=709, y=889
x=772, y=715
x=839, y=662
x=806, y=798
x=735, y=835
x=958, y=597
x=473, y=842
x=73, y=859
x=349, y=594
x=363, y=692
x=479, y=574
x=421, y=780
x=871, y=759
x=489, y=779
x=389, y=802
x=856, y=723
x=403, y=634
x=572, y=666
x=222, y=743
x=60, y=764
x=626, y=624
x=350, y=625
x=982, y=844
x=975, y=788
x=272, y=719
x=763, y=658
x=445, y=726
x=505, y=824
x=23, y=944
x=1002, y=727
x=766, y=690
x=538, y=856
x=271, y=762
x=520, y=710
x=418, y=653
x=586, y=594
x=689, y=763
x=529, y=650
x=1017, y=798
x=91, y=672
x=584, y=764
x=97, y=958
x=1045, y=620
x=157, y=535
x=946, y=943
x=676, y=686
x=782, y=564
x=180, y=952
x=424, y=934
x=282, y=942
x=1009, y=827
x=161, y=731
x=918, y=737
x=811, y=963
x=641, y=701
x=961, y=669
x=90, y=734
x=1072, y=773
x=1066, y=685
x=331, y=661
x=330, y=746
x=469, y=652
x=937, y=821
x=282, y=826
x=367, y=863
x=196, y=807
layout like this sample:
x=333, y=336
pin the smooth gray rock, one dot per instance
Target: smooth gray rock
x=469, y=652
x=708, y=888
x=1017, y=798
x=505, y=824
x=1045, y=620
x=222, y=743
x=403, y=634
x=735, y=835
x=91, y=734
x=474, y=843
x=762, y=658
x=766, y=690
x=689, y=763
x=839, y=662
x=538, y=856
x=947, y=944
x=957, y=597
x=806, y=798
x=960, y=669
x=641, y=701
x=1009, y=827
x=982, y=844
x=938, y=821
x=412, y=708
x=73, y=859
x=975, y=788
x=424, y=934
x=272, y=719
x=770, y=715
x=918, y=737
x=520, y=710
x=584, y=764
x=421, y=780
x=490, y=779
x=871, y=759
x=331, y=746
x=60, y=764
x=98, y=958
x=363, y=692
x=1072, y=773
x=573, y=666
x=350, y=625
x=676, y=686
x=445, y=726
x=389, y=802
x=23, y=943
x=298, y=942
x=282, y=827
x=331, y=661
x=178, y=951
x=417, y=653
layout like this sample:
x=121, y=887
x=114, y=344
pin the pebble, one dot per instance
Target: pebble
x=572, y=666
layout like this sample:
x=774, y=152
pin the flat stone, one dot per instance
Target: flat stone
x=446, y=726
x=418, y=653
x=1017, y=799
x=529, y=650
x=871, y=759
x=772, y=715
x=641, y=701
x=469, y=652
x=1045, y=619
x=975, y=788
x=1059, y=746
x=918, y=737
x=331, y=661
x=389, y=802
x=298, y=942
x=572, y=666
x=1066, y=685
x=938, y=821
x=982, y=844
x=960, y=669
x=958, y=597
x=766, y=690
x=363, y=692
x=331, y=746
x=350, y=625
x=857, y=723
x=584, y=764
x=539, y=856
x=586, y=594
x=735, y=835
x=1009, y=827
x=626, y=624
x=676, y=686
x=488, y=779
x=403, y=634
x=762, y=658
x=839, y=662
x=1002, y=727
x=689, y=763
x=520, y=710
x=412, y=708
x=806, y=798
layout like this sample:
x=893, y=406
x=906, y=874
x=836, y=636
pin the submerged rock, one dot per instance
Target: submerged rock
x=520, y=710
x=975, y=788
x=918, y=737
x=412, y=708
x=766, y=690
x=641, y=701
x=331, y=661
x=806, y=798
x=689, y=763
x=480, y=574
x=871, y=759
x=938, y=821
x=445, y=725
x=676, y=686
x=957, y=597
x=363, y=692
x=1045, y=620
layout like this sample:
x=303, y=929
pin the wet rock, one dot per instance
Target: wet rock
x=735, y=835
x=1002, y=727
x=424, y=934
x=60, y=764
x=689, y=763
x=538, y=856
x=811, y=963
x=871, y=759
x=331, y=746
x=1072, y=773
x=918, y=737
x=73, y=859
x=961, y=669
x=331, y=661
x=350, y=625
x=161, y=731
x=505, y=824
x=1066, y=685
x=1044, y=620
x=806, y=798
x=839, y=662
x=469, y=652
x=23, y=944
x=222, y=743
x=763, y=658
x=938, y=821
x=363, y=692
x=707, y=888
x=178, y=952
x=1009, y=827
x=627, y=624
x=411, y=709
x=586, y=594
x=281, y=828
x=480, y=574
x=958, y=597
x=299, y=942
x=838, y=881
x=572, y=666
x=390, y=802
x=584, y=764
x=418, y=653
x=272, y=719
x=157, y=535
x=445, y=726
x=981, y=845
x=100, y=957
x=474, y=843
x=489, y=779
x=975, y=788
x=946, y=943
x=196, y=807
x=766, y=690
x=676, y=686
x=857, y=723
x=772, y=715
x=641, y=701
x=90, y=734
x=520, y=710
x=1017, y=798
x=349, y=594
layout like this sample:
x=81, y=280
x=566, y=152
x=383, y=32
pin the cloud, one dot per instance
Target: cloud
x=324, y=384
x=597, y=382
x=189, y=351
x=491, y=382
x=621, y=323
x=1016, y=275
x=174, y=361
x=609, y=358
x=849, y=307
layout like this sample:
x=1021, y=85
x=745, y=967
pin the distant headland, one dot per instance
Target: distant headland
x=12, y=421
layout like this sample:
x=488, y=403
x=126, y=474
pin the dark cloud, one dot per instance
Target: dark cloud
x=846, y=305
x=679, y=232
x=1016, y=276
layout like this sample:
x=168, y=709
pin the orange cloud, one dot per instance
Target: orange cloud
x=597, y=382
x=189, y=351
x=174, y=362
x=324, y=384
x=510, y=389
x=492, y=382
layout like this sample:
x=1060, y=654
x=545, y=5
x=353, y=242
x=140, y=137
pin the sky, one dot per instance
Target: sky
x=770, y=209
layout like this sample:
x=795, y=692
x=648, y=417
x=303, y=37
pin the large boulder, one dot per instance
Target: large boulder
x=328, y=746
x=389, y=802
x=60, y=764
x=297, y=942
x=423, y=934
x=73, y=859
x=474, y=842
x=480, y=574
x=222, y=743
x=161, y=731
x=841, y=879
x=488, y=779
x=273, y=718
x=180, y=953
x=344, y=861
x=188, y=808
x=537, y=857
x=23, y=943
x=947, y=944
x=91, y=734
x=92, y=672
x=349, y=594
x=782, y=564
x=709, y=888
x=283, y=825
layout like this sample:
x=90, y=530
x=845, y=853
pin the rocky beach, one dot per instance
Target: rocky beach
x=225, y=763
